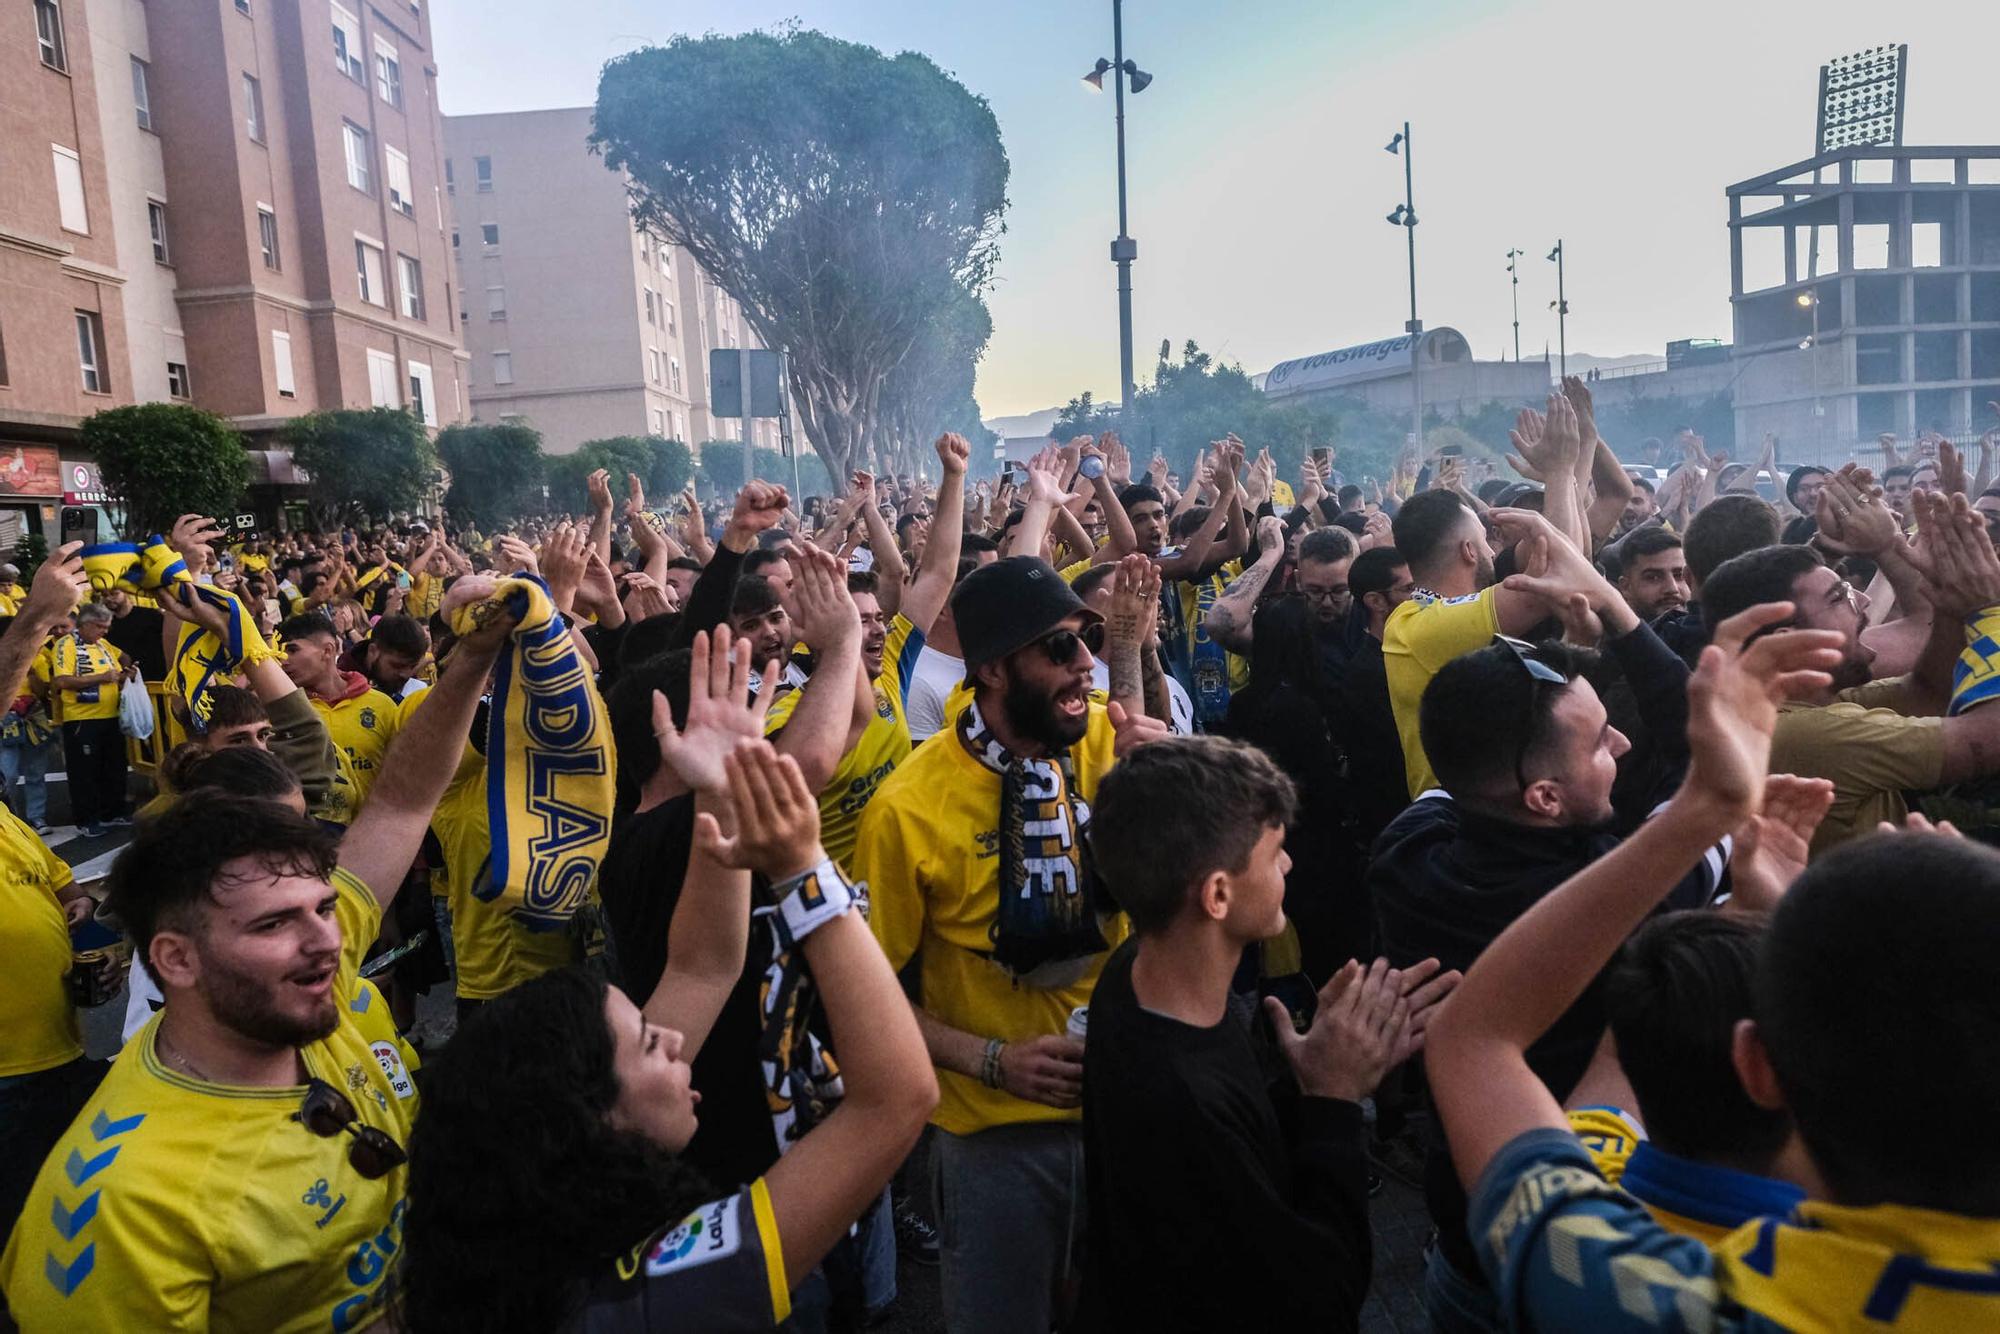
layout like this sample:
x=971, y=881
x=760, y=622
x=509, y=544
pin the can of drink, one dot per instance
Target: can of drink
x=1079, y=1022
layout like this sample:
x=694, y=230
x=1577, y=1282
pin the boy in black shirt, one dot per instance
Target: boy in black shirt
x=1204, y=1213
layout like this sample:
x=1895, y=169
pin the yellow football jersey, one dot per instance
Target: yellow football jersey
x=362, y=728
x=72, y=657
x=884, y=743
x=176, y=1204
x=38, y=1029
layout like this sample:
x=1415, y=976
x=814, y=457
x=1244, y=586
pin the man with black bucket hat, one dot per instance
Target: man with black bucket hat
x=976, y=857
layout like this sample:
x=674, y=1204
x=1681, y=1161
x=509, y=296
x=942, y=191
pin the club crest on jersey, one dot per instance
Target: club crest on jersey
x=368, y=717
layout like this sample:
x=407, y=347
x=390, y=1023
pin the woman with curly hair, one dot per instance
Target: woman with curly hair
x=546, y=1186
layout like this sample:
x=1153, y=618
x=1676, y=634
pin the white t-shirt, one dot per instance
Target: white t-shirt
x=930, y=686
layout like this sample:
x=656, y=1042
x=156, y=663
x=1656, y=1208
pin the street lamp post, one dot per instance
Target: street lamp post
x=1561, y=307
x=1514, y=275
x=1123, y=248
x=1810, y=300
x=1405, y=217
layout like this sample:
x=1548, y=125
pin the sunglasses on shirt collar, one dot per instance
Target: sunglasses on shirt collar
x=326, y=1112
x=1539, y=675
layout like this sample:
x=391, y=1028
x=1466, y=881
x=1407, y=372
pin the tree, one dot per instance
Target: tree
x=843, y=196
x=930, y=391
x=616, y=454
x=672, y=467
x=163, y=460
x=496, y=472
x=363, y=462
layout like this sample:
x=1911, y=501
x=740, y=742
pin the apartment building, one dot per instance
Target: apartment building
x=577, y=321
x=233, y=203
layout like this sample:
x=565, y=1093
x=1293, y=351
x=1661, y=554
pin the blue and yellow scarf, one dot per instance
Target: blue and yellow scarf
x=202, y=660
x=548, y=762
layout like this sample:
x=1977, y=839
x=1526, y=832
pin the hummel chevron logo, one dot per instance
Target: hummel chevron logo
x=64, y=1278
x=69, y=1224
x=103, y=1127
x=80, y=1169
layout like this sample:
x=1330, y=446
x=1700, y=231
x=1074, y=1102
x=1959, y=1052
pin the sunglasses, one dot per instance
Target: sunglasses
x=326, y=1112
x=1539, y=674
x=1062, y=645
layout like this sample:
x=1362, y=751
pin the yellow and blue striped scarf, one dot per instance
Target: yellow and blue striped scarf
x=1976, y=678
x=202, y=660
x=548, y=762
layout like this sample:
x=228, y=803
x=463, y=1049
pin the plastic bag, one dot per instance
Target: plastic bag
x=135, y=711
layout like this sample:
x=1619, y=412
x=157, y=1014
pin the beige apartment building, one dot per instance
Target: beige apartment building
x=233, y=203
x=577, y=321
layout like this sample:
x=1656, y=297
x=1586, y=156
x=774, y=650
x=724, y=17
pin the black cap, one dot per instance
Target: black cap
x=1008, y=605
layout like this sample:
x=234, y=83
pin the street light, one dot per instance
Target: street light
x=1561, y=307
x=1809, y=300
x=1405, y=217
x=1514, y=275
x=1123, y=248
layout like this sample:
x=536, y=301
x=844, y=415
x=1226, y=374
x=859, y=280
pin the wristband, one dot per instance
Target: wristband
x=809, y=900
x=989, y=1069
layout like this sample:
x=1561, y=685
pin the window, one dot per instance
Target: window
x=659, y=422
x=243, y=7
x=496, y=303
x=675, y=362
x=177, y=380
x=355, y=139
x=253, y=108
x=410, y=284
x=489, y=233
x=281, y=364
x=156, y=223
x=449, y=187
x=3, y=361
x=482, y=172
x=454, y=238
x=649, y=307
x=423, y=397
x=503, y=368
x=653, y=364
x=382, y=388
x=267, y=236
x=69, y=189
x=142, y=97
x=89, y=352
x=397, y=166
x=49, y=34
x=668, y=307
x=388, y=74
x=368, y=273
x=347, y=45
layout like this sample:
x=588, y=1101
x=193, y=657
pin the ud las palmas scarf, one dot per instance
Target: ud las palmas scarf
x=548, y=762
x=1046, y=931
x=202, y=659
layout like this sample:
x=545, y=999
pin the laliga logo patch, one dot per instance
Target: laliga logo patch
x=391, y=1062
x=709, y=1233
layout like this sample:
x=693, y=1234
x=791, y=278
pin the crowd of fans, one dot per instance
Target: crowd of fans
x=1086, y=882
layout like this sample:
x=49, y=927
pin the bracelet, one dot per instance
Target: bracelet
x=989, y=1069
x=809, y=900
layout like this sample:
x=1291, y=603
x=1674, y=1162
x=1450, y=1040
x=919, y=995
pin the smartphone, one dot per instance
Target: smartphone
x=1322, y=457
x=79, y=524
x=1015, y=474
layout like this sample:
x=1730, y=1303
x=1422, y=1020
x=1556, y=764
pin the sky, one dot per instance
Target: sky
x=1256, y=167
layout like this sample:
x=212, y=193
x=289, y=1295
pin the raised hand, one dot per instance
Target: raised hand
x=1917, y=823
x=954, y=454
x=1045, y=480
x=1135, y=600
x=1733, y=700
x=635, y=499
x=1359, y=1027
x=721, y=713
x=1578, y=394
x=1963, y=574
x=562, y=558
x=60, y=584
x=777, y=815
x=597, y=487
x=1271, y=535
x=1852, y=517
x=1117, y=459
x=759, y=505
x=194, y=533
x=1771, y=847
x=1951, y=469
x=493, y=627
x=518, y=554
x=1425, y=986
x=828, y=618
x=597, y=590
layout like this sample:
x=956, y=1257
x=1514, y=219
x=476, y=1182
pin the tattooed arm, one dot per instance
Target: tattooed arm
x=1228, y=620
x=1135, y=603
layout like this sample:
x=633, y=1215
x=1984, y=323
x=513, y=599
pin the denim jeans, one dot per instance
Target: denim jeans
x=29, y=765
x=1010, y=1221
x=1454, y=1303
